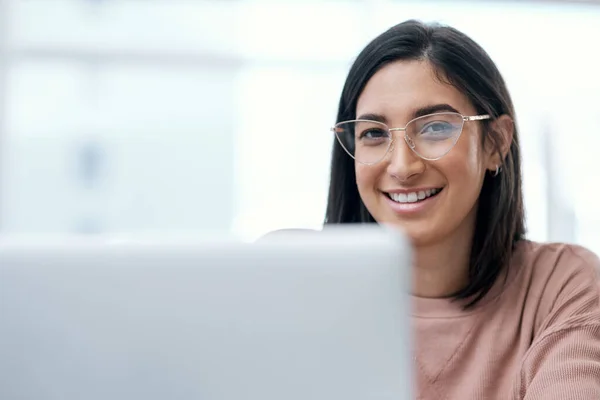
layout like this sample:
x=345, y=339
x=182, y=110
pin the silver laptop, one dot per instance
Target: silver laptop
x=295, y=316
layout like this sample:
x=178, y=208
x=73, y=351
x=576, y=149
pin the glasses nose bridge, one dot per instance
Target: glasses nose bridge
x=405, y=136
x=397, y=129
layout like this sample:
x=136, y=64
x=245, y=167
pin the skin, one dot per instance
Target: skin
x=441, y=234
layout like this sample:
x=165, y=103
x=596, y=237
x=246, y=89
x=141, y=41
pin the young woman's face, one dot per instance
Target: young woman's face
x=396, y=94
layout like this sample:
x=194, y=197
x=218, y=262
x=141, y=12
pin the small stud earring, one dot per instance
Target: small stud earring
x=497, y=171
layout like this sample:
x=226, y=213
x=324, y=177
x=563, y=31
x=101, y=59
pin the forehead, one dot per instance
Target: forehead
x=400, y=88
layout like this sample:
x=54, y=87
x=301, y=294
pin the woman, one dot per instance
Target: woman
x=426, y=141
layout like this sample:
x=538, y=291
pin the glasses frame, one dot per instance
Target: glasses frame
x=408, y=140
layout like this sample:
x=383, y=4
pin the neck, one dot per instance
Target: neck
x=442, y=268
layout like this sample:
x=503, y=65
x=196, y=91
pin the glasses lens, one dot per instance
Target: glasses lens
x=366, y=141
x=435, y=135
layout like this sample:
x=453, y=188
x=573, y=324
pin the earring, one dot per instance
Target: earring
x=497, y=171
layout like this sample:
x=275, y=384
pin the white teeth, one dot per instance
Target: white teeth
x=413, y=197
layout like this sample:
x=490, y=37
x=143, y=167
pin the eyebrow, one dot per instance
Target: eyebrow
x=419, y=112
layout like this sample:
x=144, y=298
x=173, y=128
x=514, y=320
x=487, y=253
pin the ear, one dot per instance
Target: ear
x=503, y=128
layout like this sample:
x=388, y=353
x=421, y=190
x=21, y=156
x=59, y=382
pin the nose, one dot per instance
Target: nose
x=403, y=163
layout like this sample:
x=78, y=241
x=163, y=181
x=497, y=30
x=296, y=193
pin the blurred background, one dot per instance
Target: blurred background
x=172, y=115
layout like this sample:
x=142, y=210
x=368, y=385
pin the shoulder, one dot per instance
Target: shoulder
x=563, y=297
x=561, y=281
x=558, y=264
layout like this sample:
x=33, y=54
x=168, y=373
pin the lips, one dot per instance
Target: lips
x=413, y=197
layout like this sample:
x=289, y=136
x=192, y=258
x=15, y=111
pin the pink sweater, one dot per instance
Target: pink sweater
x=536, y=337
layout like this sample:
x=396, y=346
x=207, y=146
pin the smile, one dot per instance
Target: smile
x=413, y=197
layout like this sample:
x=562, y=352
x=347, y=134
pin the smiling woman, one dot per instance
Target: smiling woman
x=426, y=141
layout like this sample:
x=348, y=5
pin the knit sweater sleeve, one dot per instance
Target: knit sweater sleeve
x=563, y=361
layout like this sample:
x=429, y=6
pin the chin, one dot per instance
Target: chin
x=416, y=234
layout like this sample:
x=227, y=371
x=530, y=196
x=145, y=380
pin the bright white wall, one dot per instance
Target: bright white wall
x=215, y=115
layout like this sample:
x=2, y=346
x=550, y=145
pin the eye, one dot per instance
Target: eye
x=373, y=134
x=438, y=130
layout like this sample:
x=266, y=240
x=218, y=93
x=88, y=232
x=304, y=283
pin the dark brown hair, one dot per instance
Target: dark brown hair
x=461, y=62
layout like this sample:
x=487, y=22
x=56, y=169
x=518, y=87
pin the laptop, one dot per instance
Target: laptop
x=296, y=316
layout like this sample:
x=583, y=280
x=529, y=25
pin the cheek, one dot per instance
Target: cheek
x=463, y=166
x=366, y=175
x=473, y=153
x=367, y=178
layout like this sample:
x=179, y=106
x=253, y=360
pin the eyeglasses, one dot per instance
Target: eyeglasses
x=430, y=137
